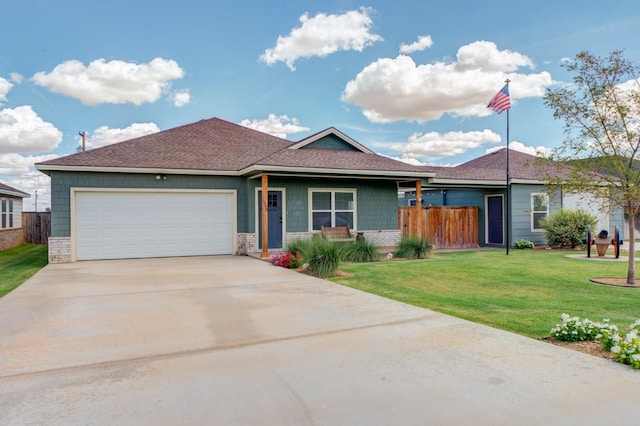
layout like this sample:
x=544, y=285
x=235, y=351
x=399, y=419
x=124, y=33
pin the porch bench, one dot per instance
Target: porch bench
x=337, y=233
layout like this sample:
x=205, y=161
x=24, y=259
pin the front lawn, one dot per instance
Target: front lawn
x=18, y=264
x=524, y=292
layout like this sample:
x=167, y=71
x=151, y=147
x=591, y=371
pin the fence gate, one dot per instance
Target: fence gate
x=443, y=226
x=37, y=227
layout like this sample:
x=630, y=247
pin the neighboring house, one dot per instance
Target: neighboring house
x=481, y=182
x=197, y=190
x=11, y=232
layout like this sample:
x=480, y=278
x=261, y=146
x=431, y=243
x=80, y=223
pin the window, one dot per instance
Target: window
x=539, y=210
x=332, y=208
x=6, y=213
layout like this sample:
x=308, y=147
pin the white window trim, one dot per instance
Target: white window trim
x=533, y=194
x=7, y=213
x=310, y=192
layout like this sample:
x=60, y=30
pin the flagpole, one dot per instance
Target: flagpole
x=508, y=192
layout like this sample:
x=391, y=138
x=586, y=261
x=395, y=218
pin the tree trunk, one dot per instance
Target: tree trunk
x=631, y=271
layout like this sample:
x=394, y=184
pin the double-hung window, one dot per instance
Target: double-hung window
x=539, y=210
x=332, y=207
x=6, y=213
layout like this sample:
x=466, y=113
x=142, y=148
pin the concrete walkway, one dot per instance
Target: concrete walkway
x=236, y=341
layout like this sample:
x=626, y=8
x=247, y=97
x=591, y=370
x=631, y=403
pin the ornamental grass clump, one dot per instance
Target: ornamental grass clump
x=412, y=248
x=360, y=251
x=321, y=257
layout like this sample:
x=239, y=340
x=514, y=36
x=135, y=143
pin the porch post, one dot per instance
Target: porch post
x=419, y=208
x=265, y=217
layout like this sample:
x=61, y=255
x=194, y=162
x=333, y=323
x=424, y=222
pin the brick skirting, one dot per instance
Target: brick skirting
x=11, y=237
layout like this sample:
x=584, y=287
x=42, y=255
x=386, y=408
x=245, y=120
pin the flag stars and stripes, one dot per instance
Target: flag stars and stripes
x=501, y=101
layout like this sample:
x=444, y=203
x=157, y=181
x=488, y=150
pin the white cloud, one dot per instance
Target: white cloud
x=114, y=82
x=5, y=87
x=424, y=42
x=180, y=98
x=408, y=160
x=18, y=165
x=30, y=183
x=23, y=131
x=16, y=78
x=539, y=151
x=484, y=55
x=279, y=126
x=398, y=89
x=103, y=135
x=323, y=35
x=421, y=145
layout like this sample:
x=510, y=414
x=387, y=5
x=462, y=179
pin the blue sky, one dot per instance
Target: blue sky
x=408, y=79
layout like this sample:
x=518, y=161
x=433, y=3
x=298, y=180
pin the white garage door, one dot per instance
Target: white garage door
x=120, y=225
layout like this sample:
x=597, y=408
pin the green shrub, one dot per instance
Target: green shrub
x=412, y=248
x=359, y=251
x=524, y=244
x=321, y=256
x=567, y=228
x=298, y=245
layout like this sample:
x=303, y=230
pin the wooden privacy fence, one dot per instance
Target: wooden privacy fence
x=443, y=227
x=37, y=227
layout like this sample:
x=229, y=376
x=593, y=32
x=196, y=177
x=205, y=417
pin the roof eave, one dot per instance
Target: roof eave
x=147, y=170
x=18, y=194
x=329, y=171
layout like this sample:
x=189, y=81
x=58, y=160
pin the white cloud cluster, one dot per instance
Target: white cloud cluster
x=398, y=89
x=424, y=42
x=421, y=145
x=23, y=131
x=20, y=165
x=180, y=98
x=114, y=82
x=103, y=135
x=539, y=151
x=5, y=87
x=30, y=182
x=323, y=35
x=279, y=126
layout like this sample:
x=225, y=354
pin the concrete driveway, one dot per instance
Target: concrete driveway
x=236, y=341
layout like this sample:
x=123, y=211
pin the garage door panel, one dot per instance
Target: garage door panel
x=112, y=225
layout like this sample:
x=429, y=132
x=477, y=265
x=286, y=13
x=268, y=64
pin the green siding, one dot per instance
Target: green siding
x=377, y=201
x=62, y=182
x=521, y=213
x=330, y=142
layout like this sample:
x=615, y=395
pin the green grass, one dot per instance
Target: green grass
x=524, y=292
x=18, y=264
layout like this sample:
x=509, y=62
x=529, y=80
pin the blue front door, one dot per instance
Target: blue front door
x=495, y=225
x=274, y=200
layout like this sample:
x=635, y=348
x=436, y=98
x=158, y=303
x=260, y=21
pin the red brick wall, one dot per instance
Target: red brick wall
x=11, y=237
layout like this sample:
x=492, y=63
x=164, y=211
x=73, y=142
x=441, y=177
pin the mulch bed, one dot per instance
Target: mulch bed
x=619, y=282
x=591, y=348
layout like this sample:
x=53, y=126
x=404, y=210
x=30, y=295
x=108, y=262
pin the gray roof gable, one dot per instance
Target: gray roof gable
x=10, y=191
x=216, y=146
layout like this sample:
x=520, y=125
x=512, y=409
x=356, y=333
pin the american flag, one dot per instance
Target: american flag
x=501, y=101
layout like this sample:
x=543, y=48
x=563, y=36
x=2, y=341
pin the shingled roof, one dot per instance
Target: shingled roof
x=493, y=166
x=7, y=190
x=215, y=146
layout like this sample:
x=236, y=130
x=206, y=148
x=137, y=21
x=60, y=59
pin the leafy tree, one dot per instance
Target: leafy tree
x=601, y=113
